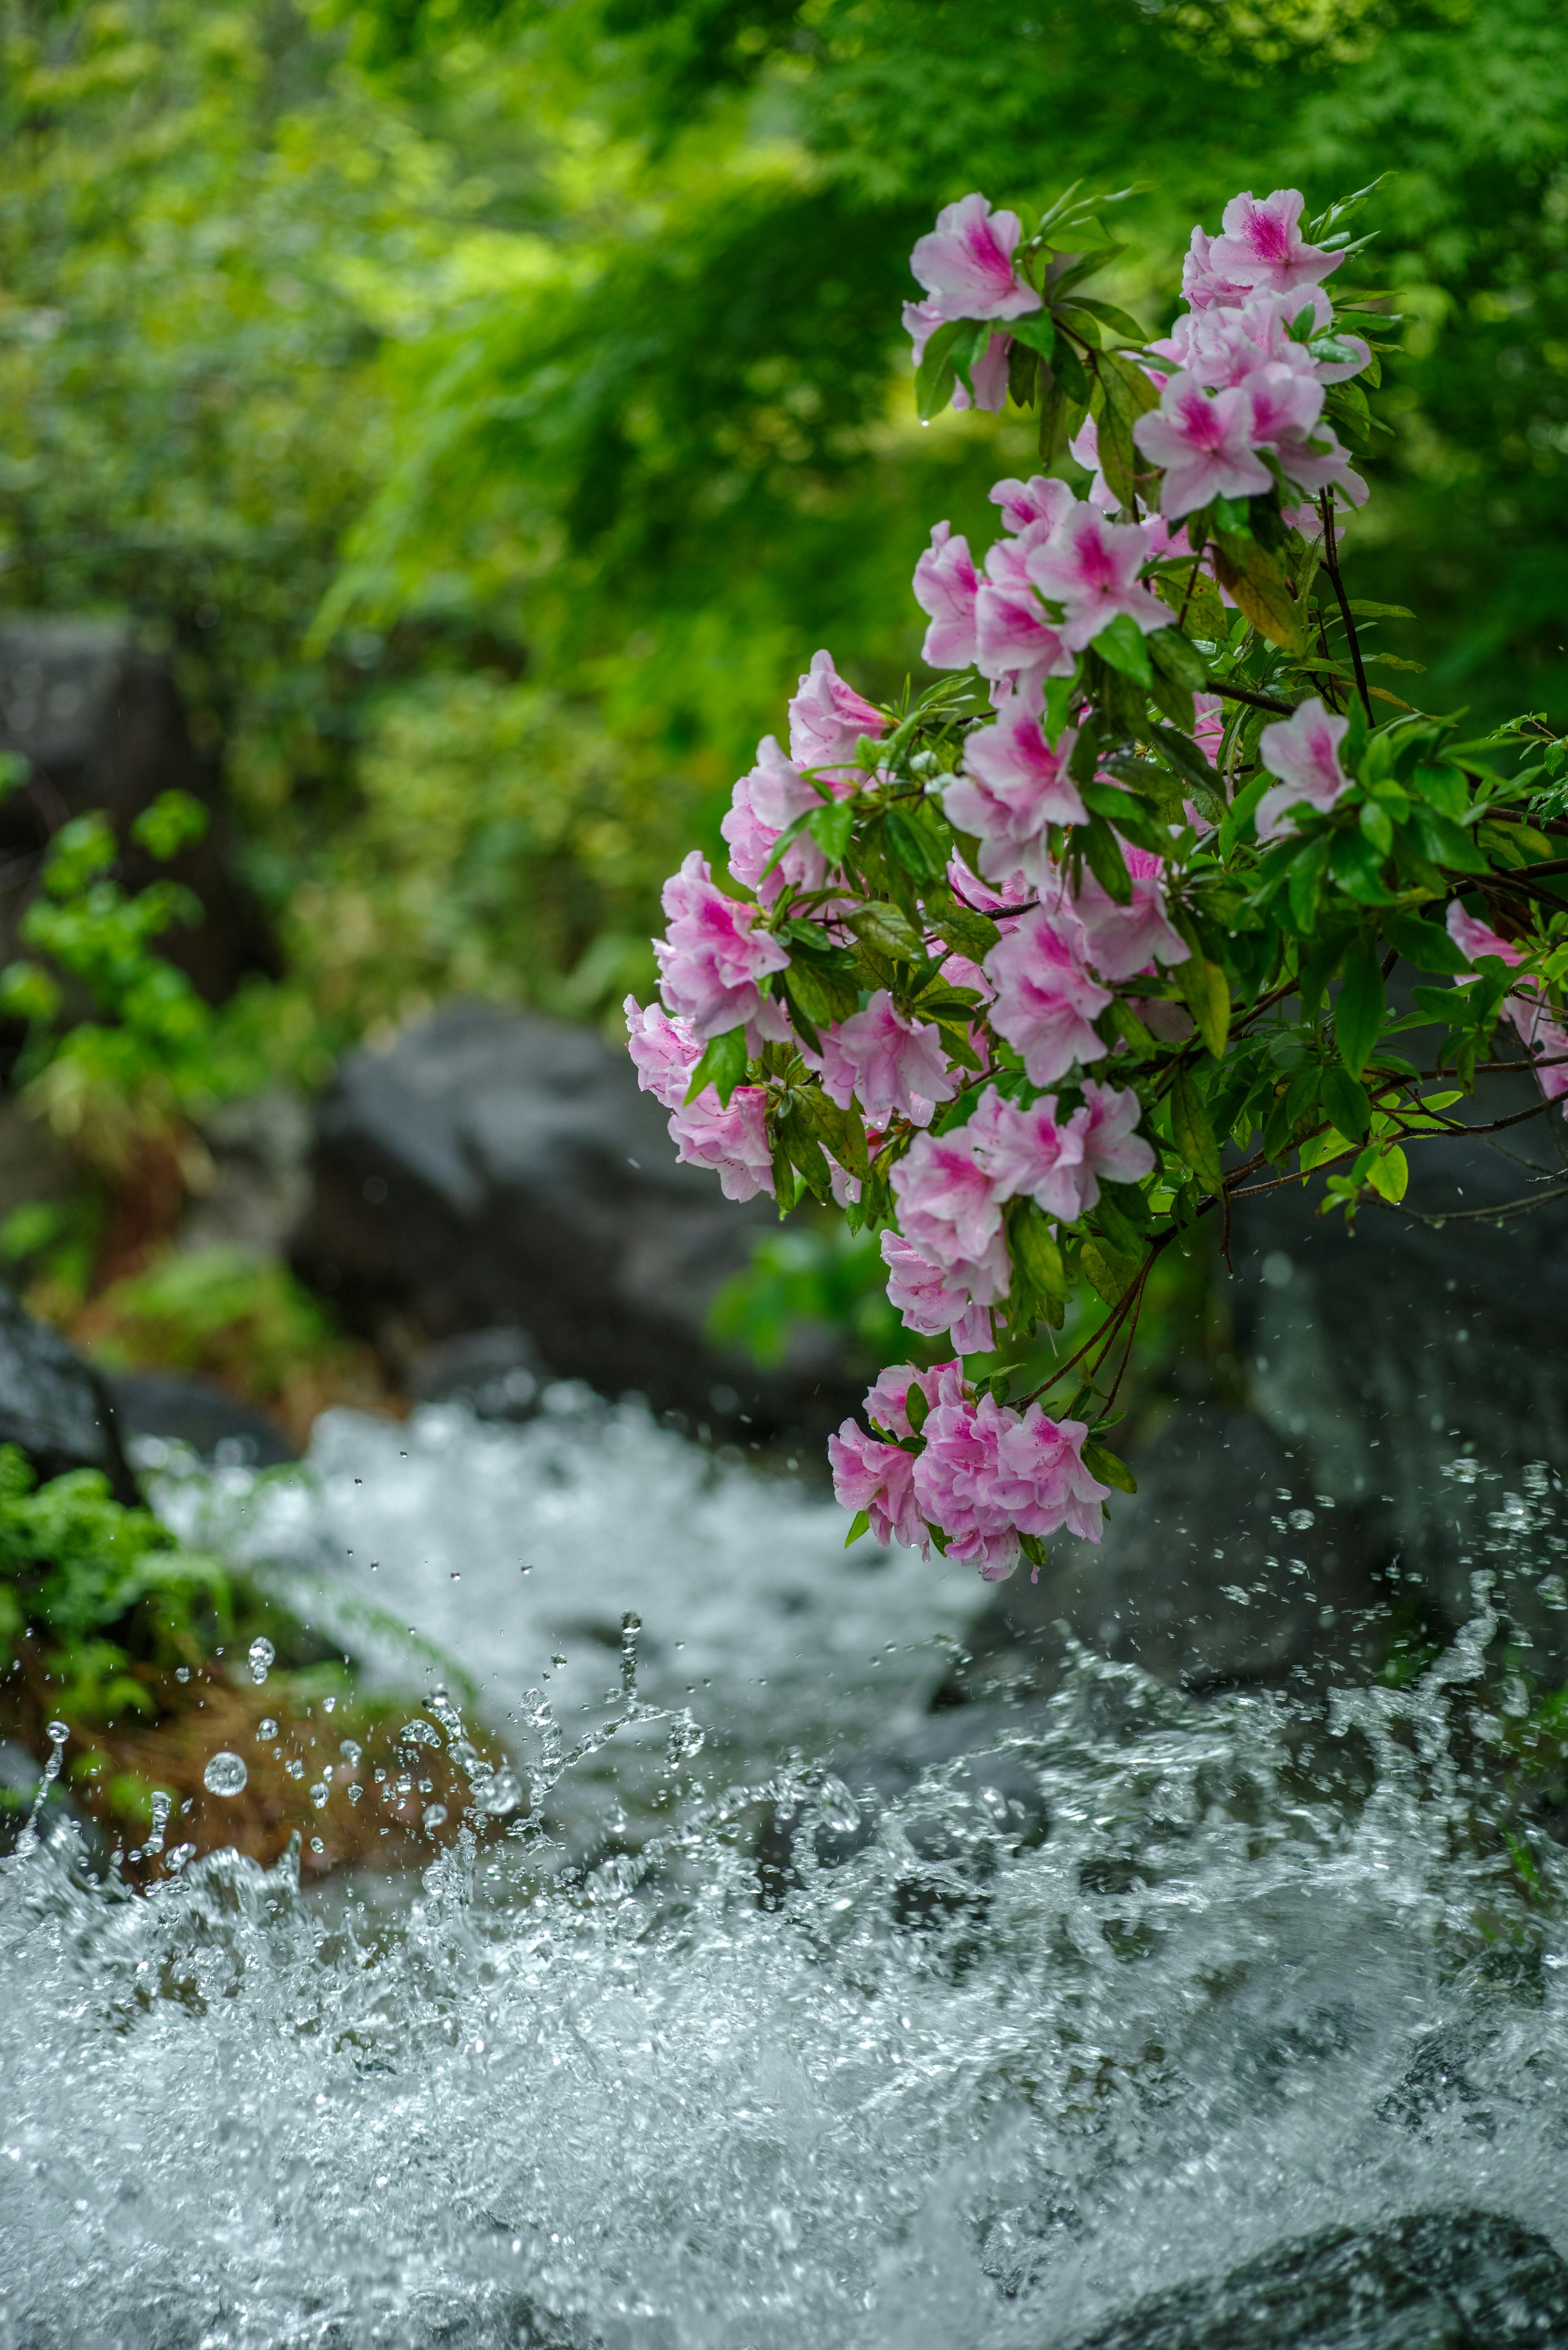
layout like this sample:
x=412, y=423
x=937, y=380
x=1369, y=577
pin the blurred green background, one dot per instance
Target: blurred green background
x=493, y=406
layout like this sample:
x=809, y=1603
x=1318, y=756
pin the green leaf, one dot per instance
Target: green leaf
x=916, y=1409
x=831, y=829
x=1110, y=1275
x=1122, y=394
x=722, y=1066
x=882, y=926
x=909, y=844
x=1344, y=1098
x=1389, y=1175
x=1102, y=854
x=1179, y=659
x=859, y=1524
x=1425, y=944
x=1305, y=882
x=1123, y=644
x=1445, y=842
x=1108, y=1467
x=1257, y=581
x=1192, y=1133
x=1206, y=992
x=1109, y=315
x=1358, y=1012
x=966, y=932
x=1444, y=788
x=1036, y=332
x=1037, y=1255
x=1241, y=810
x=934, y=377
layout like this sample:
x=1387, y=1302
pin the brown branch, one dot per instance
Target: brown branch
x=1256, y=700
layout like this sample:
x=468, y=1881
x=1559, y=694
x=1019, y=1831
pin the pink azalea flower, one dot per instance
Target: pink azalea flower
x=965, y=263
x=1038, y=1482
x=959, y=971
x=989, y=375
x=978, y=895
x=1045, y=997
x=945, y=586
x=827, y=718
x=1013, y=787
x=1539, y=1033
x=664, y=1052
x=921, y=320
x=1205, y=286
x=1124, y=939
x=1261, y=244
x=1084, y=449
x=1029, y=1154
x=1090, y=567
x=732, y=1140
x=878, y=1479
x=1303, y=751
x=1474, y=939
x=1039, y=499
x=947, y=1202
x=896, y=1065
x=1210, y=729
x=762, y=804
x=1112, y=1146
x=1012, y=635
x=887, y=1401
x=932, y=1298
x=955, y=1477
x=1205, y=443
x=712, y=957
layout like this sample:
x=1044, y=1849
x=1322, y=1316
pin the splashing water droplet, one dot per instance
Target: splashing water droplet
x=226, y=1774
x=434, y=1814
x=266, y=1728
x=160, y=1804
x=58, y=1732
x=262, y=1655
x=499, y=1795
x=351, y=1751
x=319, y=1793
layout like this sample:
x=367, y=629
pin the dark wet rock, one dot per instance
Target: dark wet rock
x=259, y=1185
x=502, y=1168
x=1228, y=1567
x=495, y=1374
x=55, y=1405
x=1433, y=2281
x=178, y=1410
x=100, y=719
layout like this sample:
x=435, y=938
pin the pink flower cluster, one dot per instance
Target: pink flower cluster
x=1538, y=1032
x=966, y=269
x=1303, y=751
x=826, y=720
x=947, y=1264
x=733, y=1141
x=1243, y=388
x=979, y=1471
x=713, y=958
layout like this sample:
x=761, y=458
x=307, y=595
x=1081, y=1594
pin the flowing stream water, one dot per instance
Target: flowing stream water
x=1235, y=1976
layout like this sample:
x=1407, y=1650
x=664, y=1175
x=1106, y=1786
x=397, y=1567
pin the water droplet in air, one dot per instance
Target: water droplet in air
x=319, y=1793
x=351, y=1750
x=160, y=1802
x=263, y=1654
x=226, y=1774
x=266, y=1727
x=59, y=1732
x=499, y=1795
x=434, y=1814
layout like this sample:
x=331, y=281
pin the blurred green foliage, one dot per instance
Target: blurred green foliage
x=493, y=403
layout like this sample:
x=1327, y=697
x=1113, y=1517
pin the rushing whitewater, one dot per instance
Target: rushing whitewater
x=985, y=2082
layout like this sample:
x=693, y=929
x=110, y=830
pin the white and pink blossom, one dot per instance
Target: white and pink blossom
x=1031, y=1153
x=947, y=1205
x=1204, y=442
x=1090, y=567
x=713, y=957
x=945, y=586
x=827, y=718
x=1113, y=1148
x=1303, y=751
x=1045, y=996
x=1013, y=787
x=955, y=1300
x=896, y=1065
x=1126, y=938
x=965, y=263
x=1261, y=245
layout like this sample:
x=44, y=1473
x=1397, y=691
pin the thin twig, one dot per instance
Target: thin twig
x=1256, y=700
x=1331, y=563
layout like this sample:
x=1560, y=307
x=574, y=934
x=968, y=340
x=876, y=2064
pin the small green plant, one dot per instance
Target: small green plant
x=96, y=1587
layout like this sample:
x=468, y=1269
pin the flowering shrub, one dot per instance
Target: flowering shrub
x=1092, y=938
